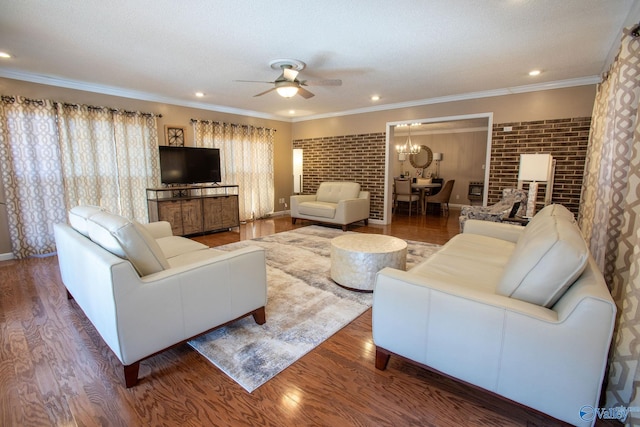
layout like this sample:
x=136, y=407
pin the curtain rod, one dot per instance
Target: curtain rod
x=112, y=110
x=41, y=102
x=231, y=124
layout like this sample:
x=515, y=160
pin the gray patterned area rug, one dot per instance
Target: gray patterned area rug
x=304, y=307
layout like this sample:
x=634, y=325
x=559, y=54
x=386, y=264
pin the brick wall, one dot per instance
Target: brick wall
x=565, y=139
x=358, y=158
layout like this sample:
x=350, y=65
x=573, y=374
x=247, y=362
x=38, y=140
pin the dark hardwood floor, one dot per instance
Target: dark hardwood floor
x=56, y=370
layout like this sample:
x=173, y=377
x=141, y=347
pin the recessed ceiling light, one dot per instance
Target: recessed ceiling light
x=533, y=73
x=375, y=98
x=292, y=112
x=4, y=55
x=199, y=94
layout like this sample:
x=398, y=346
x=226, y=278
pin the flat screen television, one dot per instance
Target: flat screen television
x=189, y=165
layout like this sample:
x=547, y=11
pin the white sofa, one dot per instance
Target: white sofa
x=522, y=312
x=145, y=290
x=340, y=203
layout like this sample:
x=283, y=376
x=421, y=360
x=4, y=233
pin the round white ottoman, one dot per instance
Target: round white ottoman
x=357, y=257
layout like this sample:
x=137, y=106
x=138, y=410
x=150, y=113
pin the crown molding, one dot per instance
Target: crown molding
x=132, y=94
x=560, y=84
x=144, y=96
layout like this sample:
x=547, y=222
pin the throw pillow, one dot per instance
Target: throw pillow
x=128, y=240
x=549, y=256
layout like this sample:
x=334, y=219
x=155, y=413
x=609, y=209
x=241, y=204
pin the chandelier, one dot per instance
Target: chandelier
x=408, y=147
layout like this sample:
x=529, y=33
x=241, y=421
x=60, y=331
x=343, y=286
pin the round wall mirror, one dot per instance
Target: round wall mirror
x=422, y=159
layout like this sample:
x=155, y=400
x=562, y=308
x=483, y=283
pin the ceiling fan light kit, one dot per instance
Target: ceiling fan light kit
x=287, y=84
x=286, y=89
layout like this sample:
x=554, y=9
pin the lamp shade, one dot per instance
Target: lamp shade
x=535, y=167
x=437, y=156
x=297, y=170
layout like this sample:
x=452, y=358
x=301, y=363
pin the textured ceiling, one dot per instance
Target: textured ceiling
x=406, y=51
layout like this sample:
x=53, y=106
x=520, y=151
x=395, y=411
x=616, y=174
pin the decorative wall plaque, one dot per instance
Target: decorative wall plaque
x=174, y=136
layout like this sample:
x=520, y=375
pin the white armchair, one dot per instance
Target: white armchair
x=339, y=203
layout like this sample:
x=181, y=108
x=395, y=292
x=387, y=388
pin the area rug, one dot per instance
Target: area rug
x=304, y=307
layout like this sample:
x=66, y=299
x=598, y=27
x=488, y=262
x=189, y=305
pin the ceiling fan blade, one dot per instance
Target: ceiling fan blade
x=329, y=82
x=304, y=93
x=289, y=74
x=265, y=92
x=252, y=81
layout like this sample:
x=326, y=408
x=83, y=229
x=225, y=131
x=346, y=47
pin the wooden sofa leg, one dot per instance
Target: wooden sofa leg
x=260, y=316
x=344, y=228
x=131, y=374
x=293, y=220
x=382, y=358
x=366, y=221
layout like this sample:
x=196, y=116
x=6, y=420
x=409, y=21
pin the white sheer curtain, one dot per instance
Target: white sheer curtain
x=55, y=156
x=109, y=158
x=246, y=159
x=86, y=144
x=137, y=161
x=610, y=214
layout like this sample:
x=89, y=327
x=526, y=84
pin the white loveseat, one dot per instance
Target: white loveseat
x=145, y=290
x=339, y=203
x=522, y=312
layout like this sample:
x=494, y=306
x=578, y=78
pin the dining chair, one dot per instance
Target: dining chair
x=436, y=190
x=442, y=197
x=404, y=193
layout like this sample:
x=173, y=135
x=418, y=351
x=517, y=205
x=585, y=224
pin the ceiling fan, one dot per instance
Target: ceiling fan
x=287, y=84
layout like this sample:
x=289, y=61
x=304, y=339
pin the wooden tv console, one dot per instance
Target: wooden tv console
x=195, y=209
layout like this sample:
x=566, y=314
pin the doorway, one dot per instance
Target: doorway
x=462, y=142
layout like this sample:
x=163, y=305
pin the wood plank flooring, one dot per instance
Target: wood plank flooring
x=56, y=371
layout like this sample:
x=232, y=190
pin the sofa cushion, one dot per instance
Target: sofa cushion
x=549, y=256
x=194, y=257
x=319, y=209
x=172, y=246
x=483, y=260
x=333, y=192
x=129, y=240
x=78, y=217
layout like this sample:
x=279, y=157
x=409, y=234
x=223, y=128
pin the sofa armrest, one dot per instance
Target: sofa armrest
x=184, y=301
x=498, y=230
x=466, y=210
x=352, y=210
x=159, y=229
x=300, y=198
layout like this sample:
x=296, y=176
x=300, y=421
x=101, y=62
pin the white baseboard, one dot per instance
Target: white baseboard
x=280, y=213
x=6, y=257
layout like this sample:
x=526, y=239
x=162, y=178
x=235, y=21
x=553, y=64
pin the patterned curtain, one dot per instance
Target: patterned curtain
x=610, y=213
x=31, y=174
x=55, y=156
x=246, y=159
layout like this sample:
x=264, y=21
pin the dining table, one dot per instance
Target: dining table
x=424, y=188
